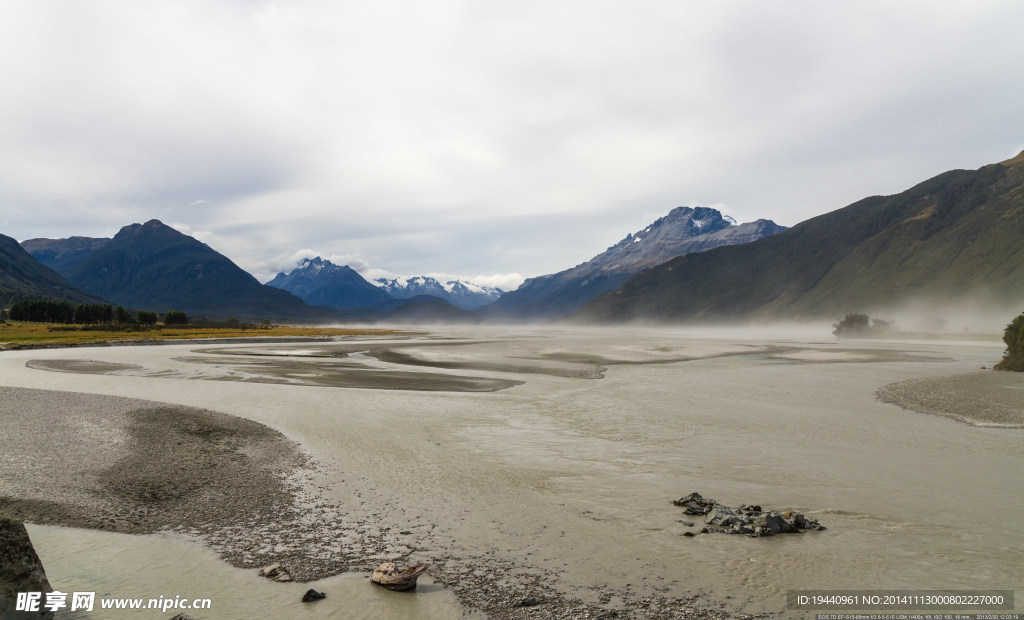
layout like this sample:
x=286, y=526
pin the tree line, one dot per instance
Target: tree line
x=39, y=310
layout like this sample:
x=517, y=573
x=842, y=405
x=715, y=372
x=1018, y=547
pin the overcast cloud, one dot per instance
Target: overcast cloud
x=482, y=138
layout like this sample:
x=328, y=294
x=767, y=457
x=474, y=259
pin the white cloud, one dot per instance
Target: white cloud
x=504, y=281
x=200, y=235
x=466, y=137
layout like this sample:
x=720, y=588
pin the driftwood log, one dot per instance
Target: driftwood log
x=388, y=575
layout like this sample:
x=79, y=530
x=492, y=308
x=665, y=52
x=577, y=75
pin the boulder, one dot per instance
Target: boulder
x=275, y=572
x=724, y=519
x=806, y=523
x=771, y=523
x=312, y=595
x=388, y=576
x=530, y=601
x=694, y=504
x=20, y=570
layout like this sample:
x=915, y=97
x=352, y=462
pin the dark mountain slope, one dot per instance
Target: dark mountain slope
x=960, y=233
x=155, y=267
x=22, y=276
x=63, y=255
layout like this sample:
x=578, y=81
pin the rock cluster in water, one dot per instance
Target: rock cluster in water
x=747, y=519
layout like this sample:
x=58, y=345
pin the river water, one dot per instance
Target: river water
x=571, y=477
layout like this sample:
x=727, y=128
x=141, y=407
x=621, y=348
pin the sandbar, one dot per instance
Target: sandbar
x=991, y=398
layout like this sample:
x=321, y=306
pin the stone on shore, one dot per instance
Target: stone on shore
x=275, y=572
x=20, y=570
x=388, y=575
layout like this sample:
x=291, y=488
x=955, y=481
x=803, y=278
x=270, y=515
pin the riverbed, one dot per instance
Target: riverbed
x=542, y=462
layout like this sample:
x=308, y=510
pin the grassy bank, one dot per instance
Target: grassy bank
x=18, y=334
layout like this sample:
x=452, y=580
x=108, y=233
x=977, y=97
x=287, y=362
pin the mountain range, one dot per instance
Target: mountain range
x=152, y=266
x=958, y=235
x=22, y=276
x=321, y=282
x=459, y=293
x=684, y=230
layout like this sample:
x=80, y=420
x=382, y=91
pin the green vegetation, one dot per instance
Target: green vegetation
x=21, y=334
x=43, y=310
x=175, y=317
x=1013, y=359
x=93, y=314
x=122, y=316
x=857, y=325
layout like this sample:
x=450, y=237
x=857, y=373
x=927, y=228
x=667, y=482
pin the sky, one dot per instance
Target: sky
x=486, y=140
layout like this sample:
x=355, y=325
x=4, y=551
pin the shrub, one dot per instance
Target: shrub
x=1013, y=358
x=857, y=325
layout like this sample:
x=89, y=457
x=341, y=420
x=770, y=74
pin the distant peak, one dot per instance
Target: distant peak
x=150, y=226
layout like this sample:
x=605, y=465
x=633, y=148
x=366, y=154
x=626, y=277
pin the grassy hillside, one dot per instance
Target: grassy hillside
x=960, y=233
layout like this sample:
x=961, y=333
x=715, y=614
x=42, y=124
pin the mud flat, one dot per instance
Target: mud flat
x=558, y=488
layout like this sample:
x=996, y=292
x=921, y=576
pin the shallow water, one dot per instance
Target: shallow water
x=573, y=477
x=150, y=567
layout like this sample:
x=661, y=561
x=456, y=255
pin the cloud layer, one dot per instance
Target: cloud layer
x=473, y=138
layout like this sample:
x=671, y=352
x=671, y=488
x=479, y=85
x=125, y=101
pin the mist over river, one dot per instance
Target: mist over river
x=551, y=456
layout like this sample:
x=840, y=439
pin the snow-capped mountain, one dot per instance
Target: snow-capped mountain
x=320, y=282
x=684, y=230
x=465, y=295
